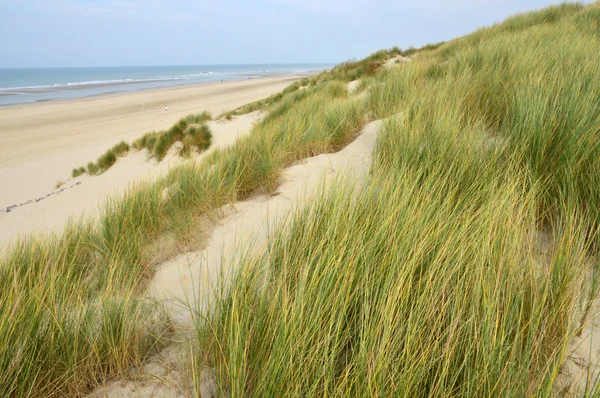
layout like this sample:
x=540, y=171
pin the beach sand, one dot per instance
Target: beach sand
x=42, y=143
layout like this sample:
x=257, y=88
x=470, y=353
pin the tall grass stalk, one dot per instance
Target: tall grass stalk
x=430, y=279
x=72, y=312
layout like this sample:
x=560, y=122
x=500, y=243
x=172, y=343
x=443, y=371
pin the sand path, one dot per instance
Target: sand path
x=191, y=277
x=247, y=225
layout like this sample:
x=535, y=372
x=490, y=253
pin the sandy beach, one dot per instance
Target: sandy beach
x=32, y=131
x=43, y=142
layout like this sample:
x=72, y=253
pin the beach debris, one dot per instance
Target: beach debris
x=10, y=208
x=166, y=108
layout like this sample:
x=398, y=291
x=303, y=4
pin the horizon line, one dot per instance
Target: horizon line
x=167, y=65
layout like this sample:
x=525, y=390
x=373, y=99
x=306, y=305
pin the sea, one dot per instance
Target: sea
x=27, y=85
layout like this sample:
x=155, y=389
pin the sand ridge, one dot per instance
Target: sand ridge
x=191, y=277
x=86, y=193
x=247, y=224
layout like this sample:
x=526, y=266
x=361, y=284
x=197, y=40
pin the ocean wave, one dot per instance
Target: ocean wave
x=87, y=83
x=31, y=85
x=56, y=86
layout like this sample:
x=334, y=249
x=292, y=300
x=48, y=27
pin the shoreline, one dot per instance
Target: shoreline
x=169, y=84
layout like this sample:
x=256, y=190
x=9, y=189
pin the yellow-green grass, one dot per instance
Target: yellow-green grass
x=289, y=92
x=430, y=280
x=427, y=281
x=365, y=83
x=70, y=314
x=408, y=290
x=347, y=71
x=73, y=313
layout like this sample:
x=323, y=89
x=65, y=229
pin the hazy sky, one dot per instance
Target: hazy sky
x=37, y=33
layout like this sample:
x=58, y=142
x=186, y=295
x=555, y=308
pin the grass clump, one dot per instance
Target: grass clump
x=78, y=171
x=364, y=84
x=157, y=143
x=167, y=138
x=104, y=162
x=367, y=67
x=70, y=317
x=147, y=141
x=92, y=169
x=291, y=94
x=196, y=137
x=430, y=280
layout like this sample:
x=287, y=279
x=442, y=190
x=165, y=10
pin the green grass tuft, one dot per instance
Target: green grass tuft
x=77, y=172
x=109, y=158
x=196, y=137
x=166, y=139
x=157, y=144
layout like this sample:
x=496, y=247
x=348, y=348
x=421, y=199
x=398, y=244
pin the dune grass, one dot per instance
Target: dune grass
x=191, y=130
x=73, y=313
x=342, y=304
x=344, y=72
x=104, y=162
x=78, y=171
x=264, y=104
x=364, y=84
x=70, y=315
x=364, y=69
x=430, y=280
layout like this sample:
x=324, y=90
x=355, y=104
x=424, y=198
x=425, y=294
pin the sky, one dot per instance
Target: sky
x=59, y=33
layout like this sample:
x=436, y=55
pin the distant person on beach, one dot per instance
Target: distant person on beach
x=166, y=109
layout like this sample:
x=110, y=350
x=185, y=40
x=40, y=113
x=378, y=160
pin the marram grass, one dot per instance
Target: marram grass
x=72, y=309
x=430, y=280
x=191, y=131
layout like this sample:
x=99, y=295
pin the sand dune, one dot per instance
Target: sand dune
x=248, y=224
x=42, y=143
x=84, y=195
x=191, y=277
